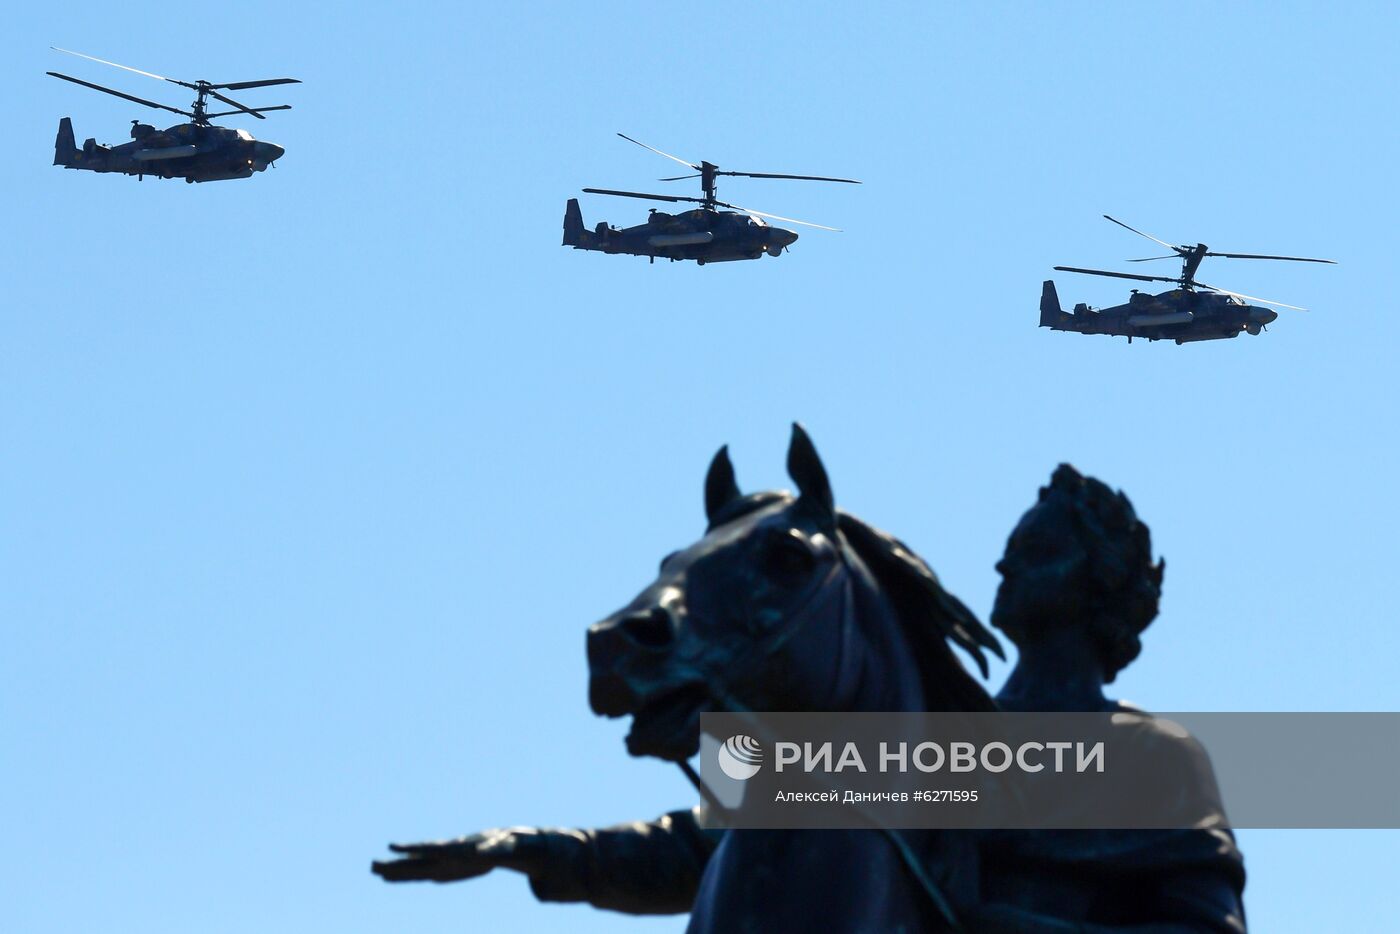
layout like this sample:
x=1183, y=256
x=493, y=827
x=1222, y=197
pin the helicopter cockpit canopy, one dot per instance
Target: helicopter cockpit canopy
x=244, y=135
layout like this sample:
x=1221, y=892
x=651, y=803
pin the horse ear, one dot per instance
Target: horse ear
x=805, y=467
x=721, y=489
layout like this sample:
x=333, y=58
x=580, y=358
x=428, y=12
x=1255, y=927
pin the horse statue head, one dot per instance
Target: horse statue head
x=786, y=603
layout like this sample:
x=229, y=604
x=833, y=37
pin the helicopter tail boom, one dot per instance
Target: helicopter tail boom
x=65, y=147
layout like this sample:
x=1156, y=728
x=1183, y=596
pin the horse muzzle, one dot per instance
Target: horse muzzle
x=625, y=655
x=631, y=671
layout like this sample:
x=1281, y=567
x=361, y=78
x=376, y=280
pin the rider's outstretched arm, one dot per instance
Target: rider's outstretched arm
x=650, y=867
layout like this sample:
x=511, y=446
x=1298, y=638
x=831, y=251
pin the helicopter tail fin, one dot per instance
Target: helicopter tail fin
x=574, y=231
x=65, y=148
x=1051, y=313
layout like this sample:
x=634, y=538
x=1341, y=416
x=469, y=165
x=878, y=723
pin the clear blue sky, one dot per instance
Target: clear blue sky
x=313, y=482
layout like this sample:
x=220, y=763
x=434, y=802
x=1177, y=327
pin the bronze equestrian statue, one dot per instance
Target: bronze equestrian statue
x=1079, y=586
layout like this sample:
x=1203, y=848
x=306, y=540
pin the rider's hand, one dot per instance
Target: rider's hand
x=523, y=849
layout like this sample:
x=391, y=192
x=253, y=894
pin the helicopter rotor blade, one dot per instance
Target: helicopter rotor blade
x=243, y=85
x=809, y=178
x=1296, y=259
x=1116, y=275
x=138, y=100
x=233, y=103
x=677, y=178
x=255, y=110
x=1164, y=243
x=777, y=217
x=1251, y=298
x=642, y=195
x=660, y=153
x=1151, y=258
x=148, y=74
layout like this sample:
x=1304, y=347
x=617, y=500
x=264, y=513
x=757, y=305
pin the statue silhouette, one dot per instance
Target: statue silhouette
x=1078, y=588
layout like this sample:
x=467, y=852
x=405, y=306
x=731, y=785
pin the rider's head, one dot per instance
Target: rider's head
x=1080, y=557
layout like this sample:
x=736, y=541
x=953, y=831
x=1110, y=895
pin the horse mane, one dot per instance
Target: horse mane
x=931, y=616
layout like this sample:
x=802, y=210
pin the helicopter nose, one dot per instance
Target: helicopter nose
x=268, y=152
x=784, y=237
x=1263, y=315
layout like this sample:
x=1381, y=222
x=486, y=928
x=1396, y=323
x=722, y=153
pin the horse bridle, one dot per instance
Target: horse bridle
x=771, y=643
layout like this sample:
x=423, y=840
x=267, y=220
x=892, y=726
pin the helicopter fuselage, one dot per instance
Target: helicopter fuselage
x=194, y=152
x=1182, y=315
x=703, y=235
x=1193, y=311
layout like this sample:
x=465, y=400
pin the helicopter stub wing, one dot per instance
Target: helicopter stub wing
x=165, y=152
x=693, y=238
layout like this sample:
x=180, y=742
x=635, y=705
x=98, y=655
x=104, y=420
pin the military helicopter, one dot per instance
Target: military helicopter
x=1183, y=314
x=195, y=151
x=704, y=234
